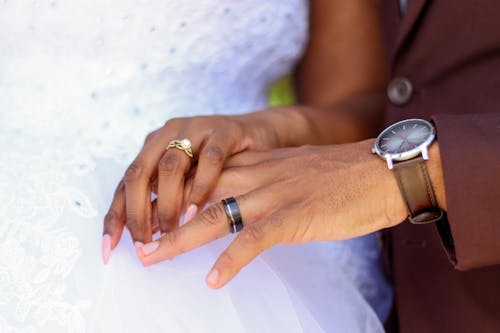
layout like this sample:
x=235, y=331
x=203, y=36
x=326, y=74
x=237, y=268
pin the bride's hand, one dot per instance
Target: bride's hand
x=213, y=139
x=293, y=195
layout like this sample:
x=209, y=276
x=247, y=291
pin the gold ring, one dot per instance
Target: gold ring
x=184, y=145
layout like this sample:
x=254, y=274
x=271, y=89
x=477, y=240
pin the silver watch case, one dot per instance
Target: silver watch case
x=420, y=149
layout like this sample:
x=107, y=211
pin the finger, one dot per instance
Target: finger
x=248, y=158
x=210, y=162
x=137, y=181
x=231, y=182
x=188, y=184
x=150, y=136
x=137, y=191
x=239, y=180
x=155, y=223
x=249, y=243
x=149, y=214
x=172, y=168
x=114, y=222
x=154, y=186
x=210, y=224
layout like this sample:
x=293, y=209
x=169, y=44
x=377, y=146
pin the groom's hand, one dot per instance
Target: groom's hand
x=293, y=195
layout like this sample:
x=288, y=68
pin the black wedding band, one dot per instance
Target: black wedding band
x=233, y=214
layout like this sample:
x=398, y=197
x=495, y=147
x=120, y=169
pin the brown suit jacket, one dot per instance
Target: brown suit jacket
x=450, y=51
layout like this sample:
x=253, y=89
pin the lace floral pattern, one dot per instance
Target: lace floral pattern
x=37, y=252
x=84, y=81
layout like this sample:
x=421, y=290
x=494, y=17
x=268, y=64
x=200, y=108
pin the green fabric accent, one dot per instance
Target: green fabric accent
x=281, y=92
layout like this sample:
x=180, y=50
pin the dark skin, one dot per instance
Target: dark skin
x=293, y=196
x=340, y=85
x=310, y=193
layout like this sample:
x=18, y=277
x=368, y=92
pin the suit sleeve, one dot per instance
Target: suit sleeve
x=470, y=157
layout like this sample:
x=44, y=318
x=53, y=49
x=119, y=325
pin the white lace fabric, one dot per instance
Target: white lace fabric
x=108, y=68
x=81, y=84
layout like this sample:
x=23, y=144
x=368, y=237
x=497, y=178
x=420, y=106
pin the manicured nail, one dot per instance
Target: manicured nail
x=149, y=248
x=190, y=213
x=138, y=245
x=213, y=277
x=106, y=248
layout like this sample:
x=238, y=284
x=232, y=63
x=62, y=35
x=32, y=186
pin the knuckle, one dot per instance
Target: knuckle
x=168, y=164
x=149, y=137
x=174, y=122
x=198, y=190
x=267, y=164
x=110, y=217
x=171, y=238
x=196, y=121
x=252, y=234
x=164, y=216
x=212, y=215
x=214, y=155
x=120, y=187
x=133, y=224
x=277, y=221
x=134, y=172
x=226, y=259
x=112, y=222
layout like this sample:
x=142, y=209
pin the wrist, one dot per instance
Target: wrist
x=405, y=146
x=277, y=127
x=395, y=206
x=382, y=204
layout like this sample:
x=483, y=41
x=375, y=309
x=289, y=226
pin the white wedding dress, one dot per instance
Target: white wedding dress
x=81, y=84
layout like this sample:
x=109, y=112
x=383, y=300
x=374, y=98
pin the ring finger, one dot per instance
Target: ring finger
x=210, y=224
x=172, y=168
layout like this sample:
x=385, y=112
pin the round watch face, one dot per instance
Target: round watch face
x=405, y=139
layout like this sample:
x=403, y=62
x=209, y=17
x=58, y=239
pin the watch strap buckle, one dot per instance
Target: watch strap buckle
x=430, y=215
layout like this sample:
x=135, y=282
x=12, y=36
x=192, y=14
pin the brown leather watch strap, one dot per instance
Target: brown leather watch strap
x=415, y=185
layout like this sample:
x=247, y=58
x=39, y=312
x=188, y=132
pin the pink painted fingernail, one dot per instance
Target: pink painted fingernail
x=106, y=248
x=138, y=245
x=150, y=248
x=213, y=277
x=190, y=213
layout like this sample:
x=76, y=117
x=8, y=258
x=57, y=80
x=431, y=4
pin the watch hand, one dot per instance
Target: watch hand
x=402, y=144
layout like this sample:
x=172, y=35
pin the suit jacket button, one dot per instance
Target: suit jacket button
x=399, y=91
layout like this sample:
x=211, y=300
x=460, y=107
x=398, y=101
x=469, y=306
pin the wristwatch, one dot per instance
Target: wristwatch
x=404, y=146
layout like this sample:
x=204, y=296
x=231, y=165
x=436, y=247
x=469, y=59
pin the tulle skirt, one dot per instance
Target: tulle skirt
x=52, y=278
